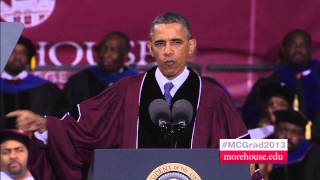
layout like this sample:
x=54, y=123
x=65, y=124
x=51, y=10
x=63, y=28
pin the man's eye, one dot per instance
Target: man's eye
x=176, y=42
x=159, y=44
x=5, y=152
x=20, y=149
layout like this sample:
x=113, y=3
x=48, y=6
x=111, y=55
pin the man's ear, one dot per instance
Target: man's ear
x=150, y=48
x=192, y=46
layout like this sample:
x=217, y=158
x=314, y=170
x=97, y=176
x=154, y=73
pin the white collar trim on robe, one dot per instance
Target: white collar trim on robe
x=22, y=75
x=144, y=76
x=194, y=124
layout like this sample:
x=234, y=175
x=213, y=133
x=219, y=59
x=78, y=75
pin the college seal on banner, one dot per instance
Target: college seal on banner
x=29, y=12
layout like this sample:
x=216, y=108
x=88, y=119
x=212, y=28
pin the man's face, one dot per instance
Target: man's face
x=297, y=52
x=14, y=157
x=276, y=103
x=171, y=47
x=18, y=61
x=113, y=55
x=292, y=132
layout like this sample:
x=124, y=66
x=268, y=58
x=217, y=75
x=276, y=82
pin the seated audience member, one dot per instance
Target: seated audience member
x=275, y=97
x=297, y=70
x=21, y=90
x=113, y=53
x=14, y=155
x=303, y=155
x=119, y=117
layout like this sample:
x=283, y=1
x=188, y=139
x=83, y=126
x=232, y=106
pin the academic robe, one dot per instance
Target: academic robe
x=32, y=93
x=90, y=82
x=110, y=120
x=307, y=89
x=303, y=164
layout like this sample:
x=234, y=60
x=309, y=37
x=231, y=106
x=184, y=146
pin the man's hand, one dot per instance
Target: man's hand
x=29, y=121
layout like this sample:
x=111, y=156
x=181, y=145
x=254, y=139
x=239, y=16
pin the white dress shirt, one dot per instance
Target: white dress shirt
x=177, y=82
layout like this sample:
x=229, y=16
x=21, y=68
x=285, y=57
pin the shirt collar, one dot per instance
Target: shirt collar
x=177, y=82
x=22, y=75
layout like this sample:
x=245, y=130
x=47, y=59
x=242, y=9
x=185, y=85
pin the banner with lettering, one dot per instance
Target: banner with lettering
x=227, y=32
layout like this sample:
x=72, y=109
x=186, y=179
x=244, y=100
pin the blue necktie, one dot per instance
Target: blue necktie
x=167, y=87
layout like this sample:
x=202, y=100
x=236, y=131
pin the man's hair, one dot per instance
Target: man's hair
x=14, y=134
x=29, y=45
x=292, y=117
x=169, y=18
x=278, y=89
x=291, y=34
x=121, y=35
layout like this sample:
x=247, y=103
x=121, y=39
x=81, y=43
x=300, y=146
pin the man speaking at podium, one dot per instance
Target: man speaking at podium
x=119, y=117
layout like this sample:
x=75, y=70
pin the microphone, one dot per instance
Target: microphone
x=182, y=112
x=171, y=124
x=159, y=112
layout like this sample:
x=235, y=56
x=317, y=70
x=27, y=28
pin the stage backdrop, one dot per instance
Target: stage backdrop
x=227, y=32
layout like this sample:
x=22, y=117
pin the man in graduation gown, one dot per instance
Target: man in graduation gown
x=276, y=97
x=297, y=70
x=303, y=155
x=21, y=90
x=113, y=52
x=119, y=118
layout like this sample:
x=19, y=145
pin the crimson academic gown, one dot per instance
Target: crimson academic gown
x=110, y=120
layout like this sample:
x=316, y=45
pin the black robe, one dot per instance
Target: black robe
x=31, y=93
x=150, y=136
x=90, y=82
x=307, y=90
x=304, y=166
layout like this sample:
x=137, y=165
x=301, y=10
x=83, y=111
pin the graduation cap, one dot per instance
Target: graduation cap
x=290, y=116
x=279, y=89
x=14, y=134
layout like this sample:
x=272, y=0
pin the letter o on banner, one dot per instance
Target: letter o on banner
x=55, y=60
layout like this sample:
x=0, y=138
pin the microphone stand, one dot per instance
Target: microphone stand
x=173, y=133
x=173, y=137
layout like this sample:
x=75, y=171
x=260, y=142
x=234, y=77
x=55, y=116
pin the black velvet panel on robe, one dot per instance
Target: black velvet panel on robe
x=150, y=135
